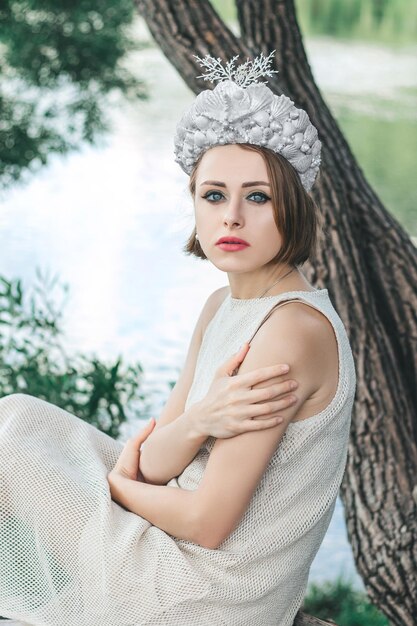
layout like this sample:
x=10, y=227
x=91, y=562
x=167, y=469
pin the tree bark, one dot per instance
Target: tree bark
x=369, y=265
x=306, y=620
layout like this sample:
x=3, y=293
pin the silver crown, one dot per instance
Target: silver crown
x=241, y=109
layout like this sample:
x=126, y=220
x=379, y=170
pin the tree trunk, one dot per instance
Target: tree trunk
x=369, y=265
x=306, y=620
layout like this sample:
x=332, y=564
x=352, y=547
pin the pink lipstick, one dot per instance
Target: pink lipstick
x=232, y=244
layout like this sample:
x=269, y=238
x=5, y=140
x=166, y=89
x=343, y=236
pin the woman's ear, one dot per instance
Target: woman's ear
x=192, y=246
x=198, y=250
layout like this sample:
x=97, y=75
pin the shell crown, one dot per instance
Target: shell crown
x=242, y=109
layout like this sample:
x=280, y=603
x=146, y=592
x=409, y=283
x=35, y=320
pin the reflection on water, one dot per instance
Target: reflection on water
x=112, y=221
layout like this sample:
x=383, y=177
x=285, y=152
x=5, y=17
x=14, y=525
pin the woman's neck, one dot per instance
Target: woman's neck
x=270, y=282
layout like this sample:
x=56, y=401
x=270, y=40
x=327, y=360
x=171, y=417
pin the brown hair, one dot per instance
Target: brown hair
x=296, y=214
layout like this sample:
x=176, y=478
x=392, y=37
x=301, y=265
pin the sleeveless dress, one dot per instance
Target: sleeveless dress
x=70, y=556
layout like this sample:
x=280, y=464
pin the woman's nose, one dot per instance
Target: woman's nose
x=233, y=215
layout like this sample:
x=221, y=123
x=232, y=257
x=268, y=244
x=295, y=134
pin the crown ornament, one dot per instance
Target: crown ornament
x=243, y=75
x=242, y=109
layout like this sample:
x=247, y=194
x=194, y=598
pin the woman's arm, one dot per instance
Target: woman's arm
x=294, y=335
x=225, y=411
x=207, y=515
x=175, y=441
x=169, y=508
x=172, y=509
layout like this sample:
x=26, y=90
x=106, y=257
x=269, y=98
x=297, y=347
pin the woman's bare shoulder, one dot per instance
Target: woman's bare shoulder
x=305, y=327
x=308, y=320
x=305, y=339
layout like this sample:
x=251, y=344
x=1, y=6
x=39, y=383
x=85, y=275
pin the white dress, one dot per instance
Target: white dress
x=70, y=556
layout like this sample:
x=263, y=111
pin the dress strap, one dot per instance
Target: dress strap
x=276, y=306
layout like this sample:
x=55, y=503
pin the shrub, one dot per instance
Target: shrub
x=34, y=361
x=338, y=601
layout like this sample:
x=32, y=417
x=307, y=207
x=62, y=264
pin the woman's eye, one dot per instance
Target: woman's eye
x=213, y=196
x=259, y=197
x=255, y=196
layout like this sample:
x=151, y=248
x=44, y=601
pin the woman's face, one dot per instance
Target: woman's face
x=232, y=200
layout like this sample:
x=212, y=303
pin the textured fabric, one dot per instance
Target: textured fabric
x=69, y=556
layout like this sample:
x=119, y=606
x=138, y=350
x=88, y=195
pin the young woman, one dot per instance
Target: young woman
x=217, y=518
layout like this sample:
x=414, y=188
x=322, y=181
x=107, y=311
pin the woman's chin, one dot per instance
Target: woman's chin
x=238, y=261
x=233, y=265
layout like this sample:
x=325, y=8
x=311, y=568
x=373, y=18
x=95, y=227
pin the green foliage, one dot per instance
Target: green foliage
x=388, y=21
x=33, y=360
x=339, y=601
x=387, y=127
x=59, y=63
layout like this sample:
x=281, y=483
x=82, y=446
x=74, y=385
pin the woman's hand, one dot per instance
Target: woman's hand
x=128, y=462
x=232, y=407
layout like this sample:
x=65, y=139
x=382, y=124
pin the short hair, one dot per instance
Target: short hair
x=296, y=214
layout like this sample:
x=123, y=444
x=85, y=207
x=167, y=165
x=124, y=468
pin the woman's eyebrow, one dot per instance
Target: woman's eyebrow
x=217, y=183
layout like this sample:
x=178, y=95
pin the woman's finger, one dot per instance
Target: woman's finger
x=262, y=424
x=272, y=392
x=264, y=411
x=249, y=379
x=233, y=363
x=141, y=436
x=128, y=461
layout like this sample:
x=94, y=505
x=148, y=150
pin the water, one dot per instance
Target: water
x=111, y=221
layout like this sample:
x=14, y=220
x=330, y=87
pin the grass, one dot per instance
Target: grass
x=339, y=601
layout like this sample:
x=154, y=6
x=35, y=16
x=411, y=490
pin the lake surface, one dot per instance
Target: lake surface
x=111, y=220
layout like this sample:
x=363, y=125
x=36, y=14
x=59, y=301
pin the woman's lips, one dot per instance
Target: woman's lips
x=232, y=244
x=232, y=247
